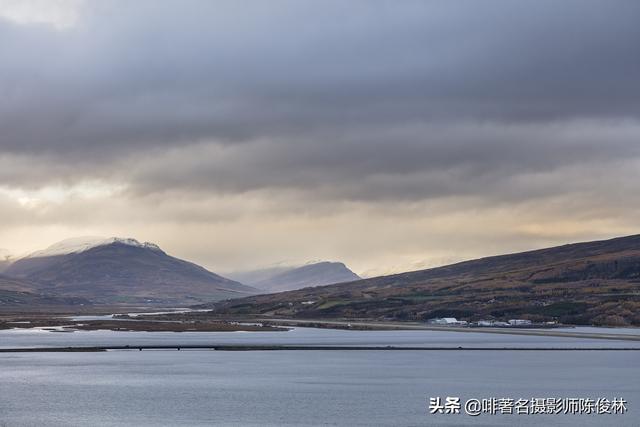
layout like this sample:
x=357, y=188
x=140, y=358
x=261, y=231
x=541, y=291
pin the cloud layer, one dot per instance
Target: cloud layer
x=388, y=134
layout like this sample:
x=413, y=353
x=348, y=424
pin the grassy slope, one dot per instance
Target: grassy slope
x=585, y=283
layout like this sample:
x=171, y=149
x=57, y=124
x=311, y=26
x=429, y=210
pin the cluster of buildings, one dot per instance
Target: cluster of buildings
x=452, y=321
x=447, y=321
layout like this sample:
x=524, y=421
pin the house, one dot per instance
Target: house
x=485, y=323
x=500, y=324
x=447, y=321
x=520, y=322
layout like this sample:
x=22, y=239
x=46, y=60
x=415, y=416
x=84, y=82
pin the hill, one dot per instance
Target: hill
x=17, y=294
x=27, y=301
x=122, y=271
x=15, y=285
x=583, y=283
x=285, y=279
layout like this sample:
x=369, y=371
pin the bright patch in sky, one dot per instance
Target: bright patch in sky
x=32, y=199
x=61, y=14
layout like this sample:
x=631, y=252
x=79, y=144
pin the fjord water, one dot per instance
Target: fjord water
x=263, y=388
x=37, y=337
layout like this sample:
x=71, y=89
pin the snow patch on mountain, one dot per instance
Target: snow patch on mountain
x=81, y=244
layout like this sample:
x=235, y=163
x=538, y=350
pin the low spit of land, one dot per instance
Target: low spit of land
x=66, y=323
x=206, y=321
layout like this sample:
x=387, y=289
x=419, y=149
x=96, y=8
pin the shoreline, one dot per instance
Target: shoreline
x=252, y=347
x=181, y=320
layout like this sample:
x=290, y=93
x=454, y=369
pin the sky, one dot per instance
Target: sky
x=388, y=135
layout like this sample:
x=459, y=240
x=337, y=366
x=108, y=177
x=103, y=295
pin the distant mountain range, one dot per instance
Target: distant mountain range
x=582, y=283
x=124, y=270
x=280, y=279
x=120, y=270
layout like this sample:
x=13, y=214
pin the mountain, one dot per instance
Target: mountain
x=11, y=301
x=120, y=270
x=582, y=283
x=19, y=295
x=15, y=285
x=251, y=277
x=284, y=279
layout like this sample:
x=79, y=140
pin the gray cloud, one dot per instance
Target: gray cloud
x=412, y=162
x=134, y=75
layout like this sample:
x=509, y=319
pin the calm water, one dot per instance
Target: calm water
x=298, y=336
x=168, y=388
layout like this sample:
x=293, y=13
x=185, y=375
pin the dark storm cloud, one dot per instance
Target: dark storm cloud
x=407, y=163
x=365, y=99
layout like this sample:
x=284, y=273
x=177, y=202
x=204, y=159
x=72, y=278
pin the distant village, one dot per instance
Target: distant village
x=517, y=323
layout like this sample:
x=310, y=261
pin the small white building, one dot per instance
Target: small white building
x=447, y=321
x=519, y=322
x=485, y=323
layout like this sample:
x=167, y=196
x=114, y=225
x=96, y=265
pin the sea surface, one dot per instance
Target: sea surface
x=304, y=388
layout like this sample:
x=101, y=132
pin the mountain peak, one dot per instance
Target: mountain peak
x=315, y=273
x=119, y=269
x=81, y=244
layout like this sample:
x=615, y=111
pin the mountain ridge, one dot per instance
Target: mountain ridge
x=590, y=282
x=81, y=244
x=122, y=271
x=292, y=278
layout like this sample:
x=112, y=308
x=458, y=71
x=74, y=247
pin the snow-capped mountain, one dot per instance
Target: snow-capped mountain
x=81, y=244
x=121, y=270
x=286, y=279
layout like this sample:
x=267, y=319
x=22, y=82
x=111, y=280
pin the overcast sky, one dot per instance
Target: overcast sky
x=390, y=135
